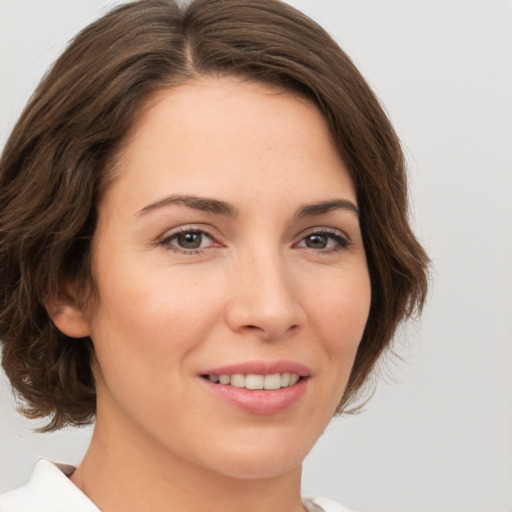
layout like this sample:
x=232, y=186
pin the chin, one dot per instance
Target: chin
x=260, y=470
x=259, y=461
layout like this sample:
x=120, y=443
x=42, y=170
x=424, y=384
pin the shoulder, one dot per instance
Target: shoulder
x=49, y=489
x=321, y=504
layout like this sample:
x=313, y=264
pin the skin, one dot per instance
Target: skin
x=259, y=287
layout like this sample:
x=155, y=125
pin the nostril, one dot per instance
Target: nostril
x=270, y=332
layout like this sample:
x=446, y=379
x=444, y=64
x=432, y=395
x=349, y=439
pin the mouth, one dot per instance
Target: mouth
x=262, y=388
x=255, y=381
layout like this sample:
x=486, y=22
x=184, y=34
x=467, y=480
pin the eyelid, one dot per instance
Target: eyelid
x=344, y=240
x=325, y=230
x=164, y=240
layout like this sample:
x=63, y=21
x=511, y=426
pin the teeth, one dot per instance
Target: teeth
x=238, y=381
x=224, y=379
x=274, y=381
x=254, y=381
x=293, y=378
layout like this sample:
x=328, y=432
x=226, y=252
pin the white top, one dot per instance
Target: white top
x=50, y=490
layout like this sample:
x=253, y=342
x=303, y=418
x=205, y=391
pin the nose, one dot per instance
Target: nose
x=264, y=298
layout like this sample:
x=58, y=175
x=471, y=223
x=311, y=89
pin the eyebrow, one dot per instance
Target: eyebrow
x=204, y=204
x=310, y=210
x=223, y=208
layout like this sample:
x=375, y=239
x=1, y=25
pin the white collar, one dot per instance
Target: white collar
x=51, y=490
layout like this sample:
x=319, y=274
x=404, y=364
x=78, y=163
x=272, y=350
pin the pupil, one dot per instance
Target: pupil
x=189, y=240
x=316, y=241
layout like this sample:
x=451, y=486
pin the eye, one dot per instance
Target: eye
x=188, y=240
x=324, y=241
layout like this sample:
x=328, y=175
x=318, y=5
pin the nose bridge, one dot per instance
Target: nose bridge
x=264, y=298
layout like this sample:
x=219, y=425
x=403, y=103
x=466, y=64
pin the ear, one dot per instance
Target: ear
x=67, y=316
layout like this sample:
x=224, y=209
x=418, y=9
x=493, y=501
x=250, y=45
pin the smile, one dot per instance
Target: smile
x=254, y=381
x=259, y=387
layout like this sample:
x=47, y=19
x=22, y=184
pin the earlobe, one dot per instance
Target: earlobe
x=69, y=319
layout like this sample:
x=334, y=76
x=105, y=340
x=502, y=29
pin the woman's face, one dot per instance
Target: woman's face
x=229, y=244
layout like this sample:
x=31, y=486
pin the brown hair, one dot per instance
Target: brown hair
x=60, y=156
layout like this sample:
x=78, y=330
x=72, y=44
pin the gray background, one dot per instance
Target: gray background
x=437, y=436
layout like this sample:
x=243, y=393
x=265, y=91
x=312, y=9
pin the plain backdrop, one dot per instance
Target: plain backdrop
x=437, y=436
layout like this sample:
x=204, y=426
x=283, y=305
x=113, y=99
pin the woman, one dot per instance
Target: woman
x=204, y=250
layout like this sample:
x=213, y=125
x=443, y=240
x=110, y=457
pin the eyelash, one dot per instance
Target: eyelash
x=166, y=241
x=342, y=242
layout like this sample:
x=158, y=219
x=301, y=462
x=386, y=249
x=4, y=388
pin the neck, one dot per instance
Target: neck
x=126, y=470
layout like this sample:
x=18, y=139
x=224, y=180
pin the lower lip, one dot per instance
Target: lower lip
x=260, y=401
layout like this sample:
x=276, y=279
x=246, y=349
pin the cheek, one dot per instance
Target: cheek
x=149, y=319
x=338, y=316
x=341, y=310
x=137, y=297
x=141, y=334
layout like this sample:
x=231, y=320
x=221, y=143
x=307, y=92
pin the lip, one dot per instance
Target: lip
x=259, y=401
x=260, y=368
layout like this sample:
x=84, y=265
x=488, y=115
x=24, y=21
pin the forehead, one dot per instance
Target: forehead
x=217, y=134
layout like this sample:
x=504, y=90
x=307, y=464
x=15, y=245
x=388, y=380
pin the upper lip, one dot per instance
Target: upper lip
x=260, y=368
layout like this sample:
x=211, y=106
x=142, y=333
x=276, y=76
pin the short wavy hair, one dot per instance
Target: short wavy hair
x=62, y=152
